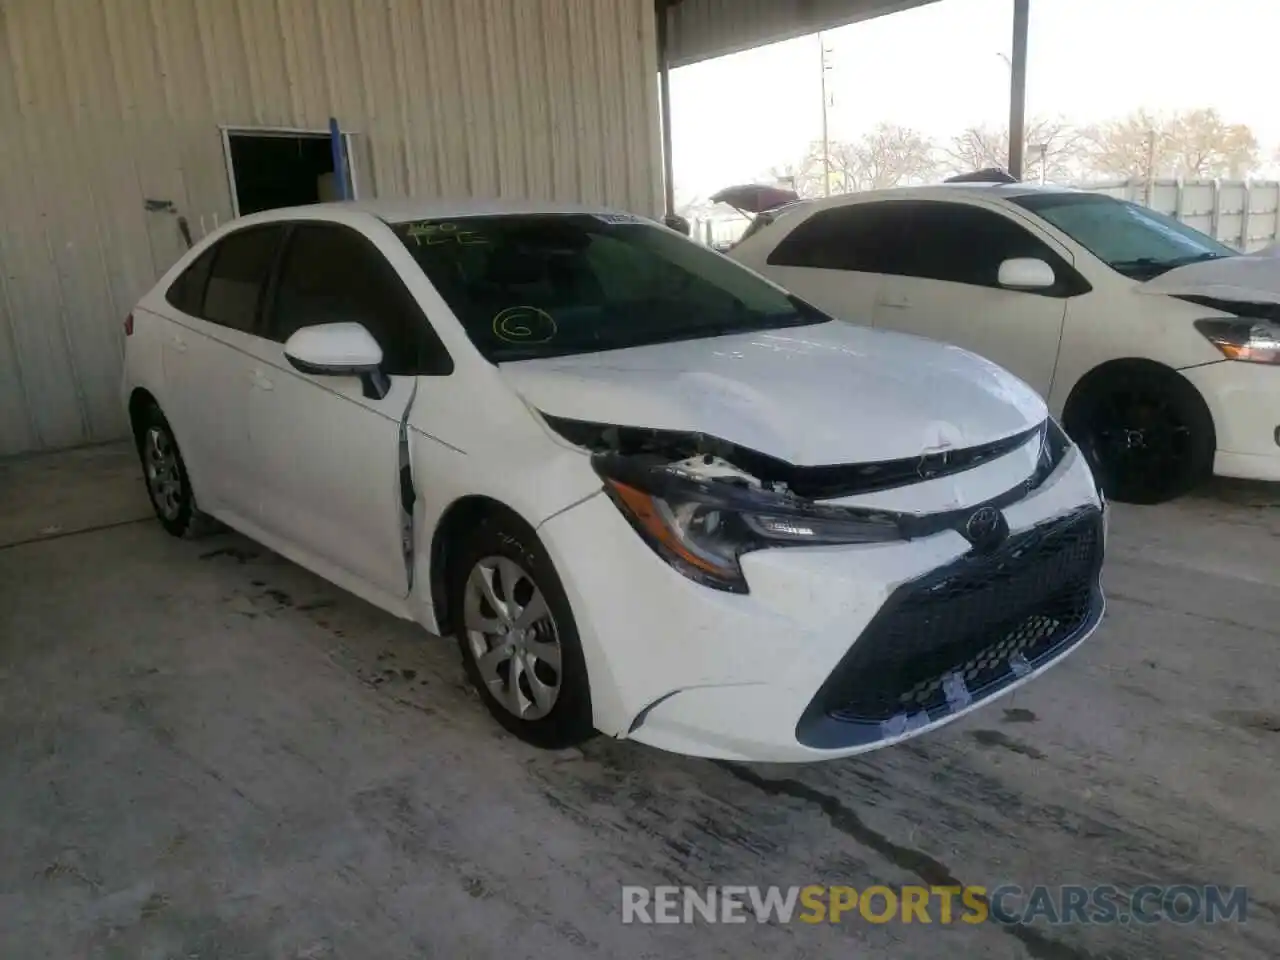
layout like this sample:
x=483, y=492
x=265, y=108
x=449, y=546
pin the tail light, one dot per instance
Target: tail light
x=128, y=325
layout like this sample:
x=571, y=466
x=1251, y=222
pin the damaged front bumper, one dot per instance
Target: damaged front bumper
x=780, y=673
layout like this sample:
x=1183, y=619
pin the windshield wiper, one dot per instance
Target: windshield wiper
x=1199, y=258
x=1149, y=262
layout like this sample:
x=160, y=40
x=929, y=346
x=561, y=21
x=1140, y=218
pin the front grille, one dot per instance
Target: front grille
x=965, y=631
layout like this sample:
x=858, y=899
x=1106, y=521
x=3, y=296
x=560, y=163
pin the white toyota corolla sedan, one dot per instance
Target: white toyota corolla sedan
x=651, y=493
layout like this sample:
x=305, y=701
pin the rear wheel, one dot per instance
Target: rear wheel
x=165, y=474
x=1146, y=432
x=519, y=642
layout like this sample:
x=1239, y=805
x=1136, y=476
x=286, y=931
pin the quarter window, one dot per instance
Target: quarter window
x=187, y=292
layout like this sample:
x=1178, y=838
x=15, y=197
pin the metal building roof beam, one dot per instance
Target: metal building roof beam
x=701, y=29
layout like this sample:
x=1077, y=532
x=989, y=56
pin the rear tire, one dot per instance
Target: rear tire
x=1145, y=430
x=518, y=639
x=165, y=474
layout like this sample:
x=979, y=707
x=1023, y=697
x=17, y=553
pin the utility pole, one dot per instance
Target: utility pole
x=1151, y=166
x=826, y=138
x=664, y=92
x=1018, y=87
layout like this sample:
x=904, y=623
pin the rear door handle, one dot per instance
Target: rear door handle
x=261, y=382
x=897, y=303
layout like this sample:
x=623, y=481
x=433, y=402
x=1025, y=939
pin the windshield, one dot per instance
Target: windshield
x=1131, y=239
x=549, y=285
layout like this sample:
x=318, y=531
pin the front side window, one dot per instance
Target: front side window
x=546, y=285
x=961, y=243
x=1131, y=239
x=241, y=264
x=331, y=274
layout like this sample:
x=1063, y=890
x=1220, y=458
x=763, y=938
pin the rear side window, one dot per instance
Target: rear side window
x=862, y=237
x=241, y=264
x=331, y=274
x=187, y=292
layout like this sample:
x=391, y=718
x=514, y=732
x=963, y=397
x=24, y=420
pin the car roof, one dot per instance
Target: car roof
x=401, y=209
x=934, y=191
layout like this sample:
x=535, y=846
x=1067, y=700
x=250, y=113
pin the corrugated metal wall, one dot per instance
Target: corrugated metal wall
x=105, y=104
x=701, y=29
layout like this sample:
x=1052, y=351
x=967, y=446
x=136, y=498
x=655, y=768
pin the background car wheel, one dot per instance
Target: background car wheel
x=519, y=642
x=165, y=475
x=1146, y=432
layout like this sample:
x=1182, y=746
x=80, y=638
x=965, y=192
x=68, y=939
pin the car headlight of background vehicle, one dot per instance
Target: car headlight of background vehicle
x=1254, y=341
x=703, y=527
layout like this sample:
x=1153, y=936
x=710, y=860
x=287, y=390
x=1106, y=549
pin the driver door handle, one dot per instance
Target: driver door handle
x=896, y=301
x=261, y=382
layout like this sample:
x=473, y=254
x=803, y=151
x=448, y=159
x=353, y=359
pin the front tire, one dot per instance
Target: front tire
x=519, y=642
x=1146, y=431
x=165, y=474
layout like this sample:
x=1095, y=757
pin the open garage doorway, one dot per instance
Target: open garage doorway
x=270, y=168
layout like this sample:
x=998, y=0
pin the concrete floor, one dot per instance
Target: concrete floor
x=206, y=752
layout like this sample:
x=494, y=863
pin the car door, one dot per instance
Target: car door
x=327, y=457
x=207, y=356
x=830, y=258
x=942, y=281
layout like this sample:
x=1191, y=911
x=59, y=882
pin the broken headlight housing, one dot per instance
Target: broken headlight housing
x=1253, y=341
x=701, y=518
x=701, y=527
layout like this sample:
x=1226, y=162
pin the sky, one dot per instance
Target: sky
x=939, y=69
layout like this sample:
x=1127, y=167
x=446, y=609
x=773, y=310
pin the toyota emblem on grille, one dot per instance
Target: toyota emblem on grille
x=985, y=527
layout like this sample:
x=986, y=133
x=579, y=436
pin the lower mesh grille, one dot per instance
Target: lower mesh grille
x=966, y=630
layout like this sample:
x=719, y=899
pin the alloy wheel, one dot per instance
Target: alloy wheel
x=512, y=637
x=1139, y=436
x=164, y=481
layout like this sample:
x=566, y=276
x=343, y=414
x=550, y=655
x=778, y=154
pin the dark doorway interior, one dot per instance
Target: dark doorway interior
x=280, y=170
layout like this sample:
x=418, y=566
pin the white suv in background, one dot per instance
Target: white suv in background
x=1158, y=346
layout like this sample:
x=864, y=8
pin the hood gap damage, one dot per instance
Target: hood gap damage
x=825, y=482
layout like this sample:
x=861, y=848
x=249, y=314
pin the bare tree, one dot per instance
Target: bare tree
x=1136, y=146
x=886, y=156
x=1196, y=143
x=805, y=178
x=1205, y=145
x=1053, y=150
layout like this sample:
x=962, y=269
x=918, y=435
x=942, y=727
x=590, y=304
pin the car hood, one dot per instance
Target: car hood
x=1249, y=278
x=821, y=394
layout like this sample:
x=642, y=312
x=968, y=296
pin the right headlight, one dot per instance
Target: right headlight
x=702, y=528
x=1254, y=341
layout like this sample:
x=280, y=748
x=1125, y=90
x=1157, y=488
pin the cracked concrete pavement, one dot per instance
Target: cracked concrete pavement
x=207, y=752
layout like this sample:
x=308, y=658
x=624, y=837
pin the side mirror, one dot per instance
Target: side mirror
x=1026, y=273
x=339, y=350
